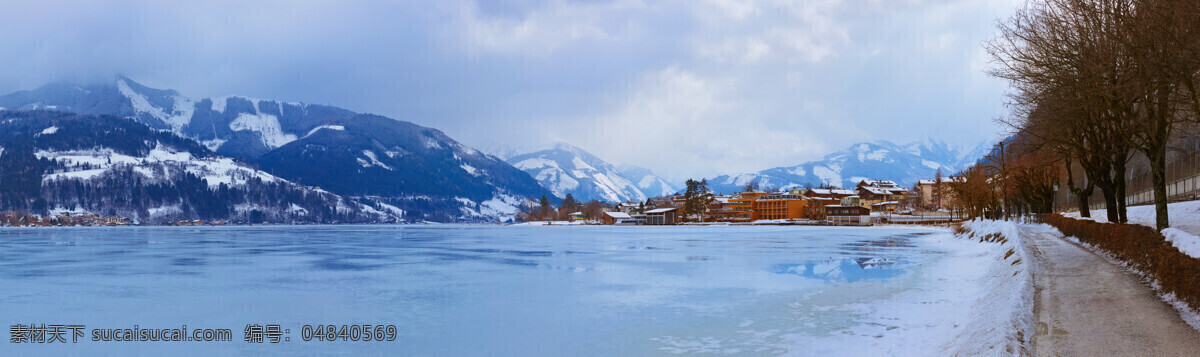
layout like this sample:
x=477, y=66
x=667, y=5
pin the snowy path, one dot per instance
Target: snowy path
x=1084, y=305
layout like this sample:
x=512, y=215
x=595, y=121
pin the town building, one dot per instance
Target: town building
x=781, y=206
x=930, y=197
x=886, y=206
x=835, y=193
x=720, y=210
x=877, y=183
x=871, y=192
x=619, y=218
x=815, y=208
x=848, y=215
x=740, y=208
x=662, y=216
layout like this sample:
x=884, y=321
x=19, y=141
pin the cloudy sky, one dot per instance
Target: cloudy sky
x=686, y=88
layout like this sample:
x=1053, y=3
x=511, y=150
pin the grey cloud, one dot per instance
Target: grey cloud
x=519, y=72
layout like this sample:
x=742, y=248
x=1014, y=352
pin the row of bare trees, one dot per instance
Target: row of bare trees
x=1015, y=178
x=1094, y=82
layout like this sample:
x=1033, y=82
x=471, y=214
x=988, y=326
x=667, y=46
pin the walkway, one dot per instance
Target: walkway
x=1085, y=306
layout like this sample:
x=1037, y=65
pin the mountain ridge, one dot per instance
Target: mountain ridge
x=64, y=162
x=432, y=176
x=879, y=159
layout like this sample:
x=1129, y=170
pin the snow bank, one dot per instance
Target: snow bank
x=1001, y=319
x=1187, y=243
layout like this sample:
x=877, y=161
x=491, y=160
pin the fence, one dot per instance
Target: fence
x=1183, y=181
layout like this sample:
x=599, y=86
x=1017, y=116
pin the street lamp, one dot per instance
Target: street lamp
x=1054, y=202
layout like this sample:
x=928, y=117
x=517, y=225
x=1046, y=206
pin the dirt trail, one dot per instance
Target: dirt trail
x=1085, y=306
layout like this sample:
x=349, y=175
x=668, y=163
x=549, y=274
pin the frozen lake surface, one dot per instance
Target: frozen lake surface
x=489, y=290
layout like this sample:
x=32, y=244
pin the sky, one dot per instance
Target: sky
x=693, y=88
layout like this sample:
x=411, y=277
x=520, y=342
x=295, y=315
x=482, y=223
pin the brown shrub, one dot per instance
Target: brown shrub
x=959, y=229
x=1142, y=248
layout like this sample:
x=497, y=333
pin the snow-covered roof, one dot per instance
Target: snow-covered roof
x=886, y=203
x=819, y=191
x=879, y=183
x=661, y=210
x=576, y=213
x=930, y=182
x=842, y=192
x=618, y=215
x=782, y=197
x=875, y=190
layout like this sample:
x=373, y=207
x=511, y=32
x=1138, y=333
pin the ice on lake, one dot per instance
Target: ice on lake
x=460, y=290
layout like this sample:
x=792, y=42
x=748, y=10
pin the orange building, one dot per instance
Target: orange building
x=781, y=206
x=739, y=208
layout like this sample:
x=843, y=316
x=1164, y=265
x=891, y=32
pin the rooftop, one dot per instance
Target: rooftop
x=618, y=215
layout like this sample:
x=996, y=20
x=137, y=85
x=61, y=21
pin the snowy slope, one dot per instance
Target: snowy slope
x=565, y=169
x=650, y=184
x=74, y=157
x=884, y=160
x=167, y=106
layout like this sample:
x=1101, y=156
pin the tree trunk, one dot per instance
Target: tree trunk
x=1081, y=195
x=1158, y=166
x=1119, y=183
x=1110, y=201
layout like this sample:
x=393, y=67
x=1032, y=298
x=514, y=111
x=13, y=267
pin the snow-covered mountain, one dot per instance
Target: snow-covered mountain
x=650, y=184
x=419, y=169
x=57, y=161
x=882, y=160
x=564, y=169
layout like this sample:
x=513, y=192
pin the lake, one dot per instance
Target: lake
x=464, y=290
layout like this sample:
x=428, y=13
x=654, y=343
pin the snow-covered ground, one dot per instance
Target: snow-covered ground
x=514, y=290
x=1184, y=218
x=165, y=163
x=973, y=301
x=215, y=170
x=1183, y=215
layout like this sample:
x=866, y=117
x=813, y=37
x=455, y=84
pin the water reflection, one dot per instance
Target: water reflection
x=843, y=270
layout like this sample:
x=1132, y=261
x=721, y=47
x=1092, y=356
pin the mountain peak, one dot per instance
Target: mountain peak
x=566, y=169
